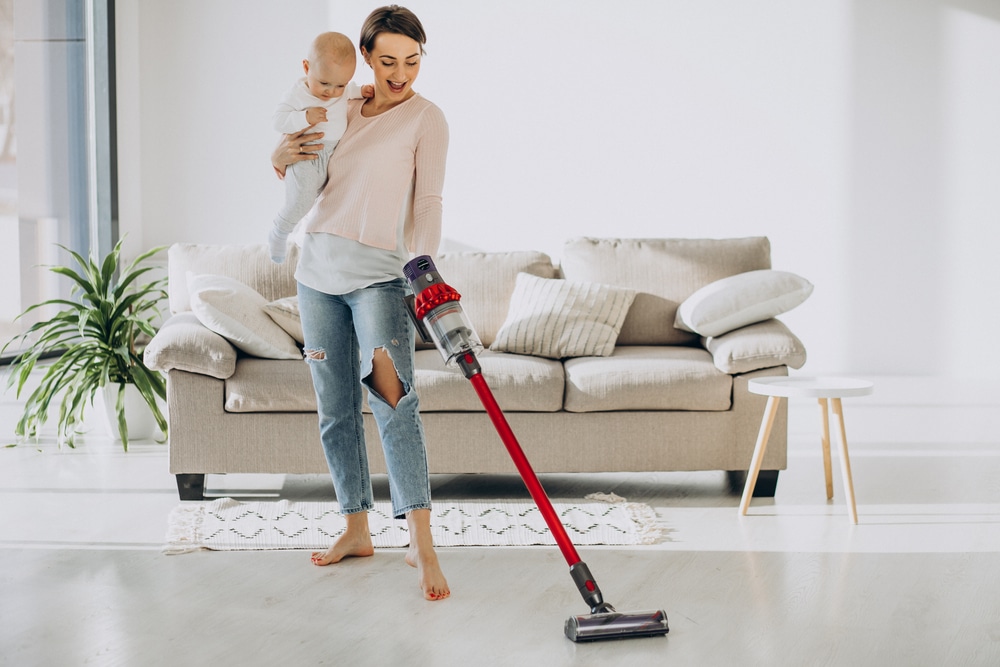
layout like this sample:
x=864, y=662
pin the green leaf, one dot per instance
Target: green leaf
x=94, y=332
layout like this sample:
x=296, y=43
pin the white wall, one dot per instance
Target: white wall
x=861, y=137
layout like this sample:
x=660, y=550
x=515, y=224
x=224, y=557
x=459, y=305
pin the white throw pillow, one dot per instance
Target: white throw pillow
x=557, y=318
x=736, y=301
x=236, y=312
x=285, y=313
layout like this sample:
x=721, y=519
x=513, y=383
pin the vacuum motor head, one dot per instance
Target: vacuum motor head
x=436, y=306
x=617, y=625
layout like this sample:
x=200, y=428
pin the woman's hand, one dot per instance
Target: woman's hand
x=295, y=148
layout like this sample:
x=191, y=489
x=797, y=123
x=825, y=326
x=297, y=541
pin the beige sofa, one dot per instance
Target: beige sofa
x=664, y=400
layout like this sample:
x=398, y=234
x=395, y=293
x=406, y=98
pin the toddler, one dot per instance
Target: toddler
x=320, y=99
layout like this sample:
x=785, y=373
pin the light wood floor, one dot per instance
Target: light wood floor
x=82, y=579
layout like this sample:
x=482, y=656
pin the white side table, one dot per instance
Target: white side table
x=821, y=388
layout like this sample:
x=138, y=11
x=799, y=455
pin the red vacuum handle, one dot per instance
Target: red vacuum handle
x=524, y=467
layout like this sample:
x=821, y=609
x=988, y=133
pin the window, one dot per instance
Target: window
x=57, y=145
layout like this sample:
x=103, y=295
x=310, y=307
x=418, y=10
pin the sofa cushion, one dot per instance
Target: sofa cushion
x=519, y=383
x=285, y=313
x=556, y=318
x=736, y=301
x=236, y=312
x=762, y=345
x=250, y=264
x=647, y=378
x=664, y=272
x=523, y=384
x=183, y=343
x=486, y=281
x=270, y=385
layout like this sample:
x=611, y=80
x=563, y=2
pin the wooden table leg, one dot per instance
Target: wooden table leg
x=758, y=451
x=845, y=461
x=827, y=465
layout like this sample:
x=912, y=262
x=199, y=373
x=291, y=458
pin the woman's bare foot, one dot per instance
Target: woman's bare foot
x=421, y=555
x=355, y=542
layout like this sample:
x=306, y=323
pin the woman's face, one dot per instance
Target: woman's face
x=395, y=60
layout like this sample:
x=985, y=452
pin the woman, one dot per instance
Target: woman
x=381, y=206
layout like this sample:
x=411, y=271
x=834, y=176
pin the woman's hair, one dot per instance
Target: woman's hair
x=394, y=19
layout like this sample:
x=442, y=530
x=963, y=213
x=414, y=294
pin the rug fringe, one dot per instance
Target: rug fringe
x=648, y=528
x=647, y=524
x=184, y=530
x=605, y=497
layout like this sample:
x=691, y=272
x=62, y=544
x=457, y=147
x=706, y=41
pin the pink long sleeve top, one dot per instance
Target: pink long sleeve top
x=382, y=163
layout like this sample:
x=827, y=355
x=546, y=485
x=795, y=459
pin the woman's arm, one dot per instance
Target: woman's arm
x=430, y=157
x=295, y=148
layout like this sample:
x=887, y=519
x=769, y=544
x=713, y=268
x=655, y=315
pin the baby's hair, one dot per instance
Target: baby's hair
x=392, y=19
x=333, y=44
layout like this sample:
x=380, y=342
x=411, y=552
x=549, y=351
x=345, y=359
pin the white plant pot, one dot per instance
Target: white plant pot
x=138, y=415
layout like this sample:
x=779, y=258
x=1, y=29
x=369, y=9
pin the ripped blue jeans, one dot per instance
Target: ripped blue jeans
x=342, y=333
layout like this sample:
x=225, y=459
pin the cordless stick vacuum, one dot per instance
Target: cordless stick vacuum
x=439, y=318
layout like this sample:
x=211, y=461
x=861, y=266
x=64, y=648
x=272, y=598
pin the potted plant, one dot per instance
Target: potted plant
x=94, y=335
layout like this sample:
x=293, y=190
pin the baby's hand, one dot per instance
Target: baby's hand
x=368, y=90
x=315, y=115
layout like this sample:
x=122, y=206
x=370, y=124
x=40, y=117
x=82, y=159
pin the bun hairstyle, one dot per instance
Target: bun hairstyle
x=394, y=19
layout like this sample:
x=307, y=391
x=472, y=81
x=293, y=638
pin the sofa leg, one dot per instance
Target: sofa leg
x=191, y=486
x=767, y=482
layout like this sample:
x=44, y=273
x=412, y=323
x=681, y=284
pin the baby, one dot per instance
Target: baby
x=320, y=99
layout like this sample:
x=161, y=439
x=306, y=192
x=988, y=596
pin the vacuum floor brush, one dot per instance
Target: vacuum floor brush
x=439, y=318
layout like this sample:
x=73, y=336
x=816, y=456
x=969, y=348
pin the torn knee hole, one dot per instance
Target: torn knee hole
x=315, y=355
x=384, y=378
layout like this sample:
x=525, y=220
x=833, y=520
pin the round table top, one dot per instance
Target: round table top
x=810, y=387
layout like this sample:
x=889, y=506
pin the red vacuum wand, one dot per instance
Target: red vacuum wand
x=439, y=318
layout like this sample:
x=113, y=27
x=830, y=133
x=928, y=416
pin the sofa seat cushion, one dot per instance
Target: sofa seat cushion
x=270, y=385
x=647, y=378
x=519, y=383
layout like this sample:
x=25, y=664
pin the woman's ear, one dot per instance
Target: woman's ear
x=365, y=55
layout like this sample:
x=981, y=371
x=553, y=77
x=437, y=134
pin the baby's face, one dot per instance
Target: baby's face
x=328, y=78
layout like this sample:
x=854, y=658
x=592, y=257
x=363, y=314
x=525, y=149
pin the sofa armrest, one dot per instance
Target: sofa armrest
x=184, y=343
x=762, y=345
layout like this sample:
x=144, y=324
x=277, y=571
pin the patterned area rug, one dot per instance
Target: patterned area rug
x=230, y=525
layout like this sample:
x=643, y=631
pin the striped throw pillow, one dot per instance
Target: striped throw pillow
x=556, y=318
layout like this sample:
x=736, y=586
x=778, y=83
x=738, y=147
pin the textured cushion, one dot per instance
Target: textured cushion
x=285, y=313
x=736, y=301
x=664, y=272
x=762, y=345
x=647, y=378
x=183, y=343
x=559, y=318
x=520, y=384
x=250, y=264
x=236, y=312
x=268, y=385
x=486, y=280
